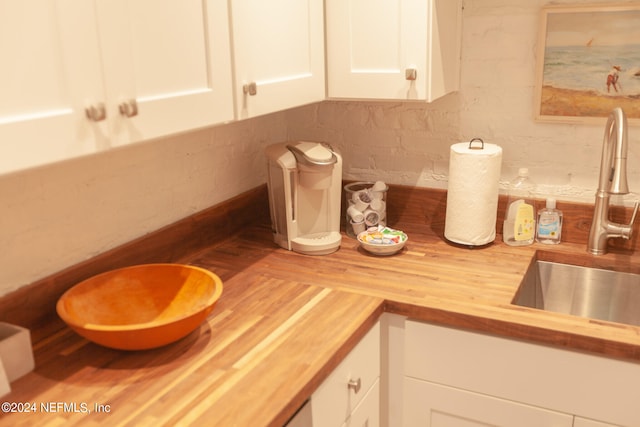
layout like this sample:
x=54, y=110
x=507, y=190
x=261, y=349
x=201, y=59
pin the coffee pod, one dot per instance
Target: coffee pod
x=358, y=227
x=355, y=214
x=371, y=217
x=361, y=200
x=379, y=186
x=378, y=205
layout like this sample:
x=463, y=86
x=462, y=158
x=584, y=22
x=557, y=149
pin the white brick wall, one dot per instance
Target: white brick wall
x=58, y=215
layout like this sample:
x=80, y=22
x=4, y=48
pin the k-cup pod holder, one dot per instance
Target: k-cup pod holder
x=366, y=206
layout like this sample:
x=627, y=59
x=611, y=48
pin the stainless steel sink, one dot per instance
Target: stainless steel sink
x=581, y=291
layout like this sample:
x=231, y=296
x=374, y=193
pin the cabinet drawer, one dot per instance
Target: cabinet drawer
x=334, y=400
x=367, y=413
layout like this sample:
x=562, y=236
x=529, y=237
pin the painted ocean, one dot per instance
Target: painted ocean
x=587, y=67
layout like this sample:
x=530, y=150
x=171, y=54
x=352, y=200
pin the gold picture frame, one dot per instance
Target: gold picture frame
x=588, y=63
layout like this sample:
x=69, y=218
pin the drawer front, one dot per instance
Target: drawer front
x=367, y=413
x=335, y=399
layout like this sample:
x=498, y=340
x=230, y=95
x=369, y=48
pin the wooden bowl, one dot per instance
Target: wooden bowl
x=140, y=307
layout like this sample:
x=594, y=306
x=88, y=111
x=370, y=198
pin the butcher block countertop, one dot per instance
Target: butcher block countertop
x=286, y=320
x=266, y=346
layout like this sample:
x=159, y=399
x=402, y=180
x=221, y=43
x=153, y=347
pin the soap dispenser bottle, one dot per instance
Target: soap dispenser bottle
x=519, y=226
x=549, y=228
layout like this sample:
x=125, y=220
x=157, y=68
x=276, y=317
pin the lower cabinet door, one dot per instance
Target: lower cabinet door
x=432, y=405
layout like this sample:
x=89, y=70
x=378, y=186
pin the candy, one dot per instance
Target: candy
x=383, y=236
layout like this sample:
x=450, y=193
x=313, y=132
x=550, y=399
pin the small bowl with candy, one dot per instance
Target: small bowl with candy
x=382, y=240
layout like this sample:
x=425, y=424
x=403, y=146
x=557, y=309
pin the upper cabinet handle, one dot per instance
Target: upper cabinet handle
x=96, y=112
x=411, y=74
x=250, y=88
x=128, y=108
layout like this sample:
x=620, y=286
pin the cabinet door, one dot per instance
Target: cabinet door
x=50, y=70
x=401, y=49
x=586, y=385
x=433, y=405
x=172, y=57
x=278, y=48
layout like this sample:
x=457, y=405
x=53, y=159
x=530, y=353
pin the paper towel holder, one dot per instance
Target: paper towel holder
x=476, y=148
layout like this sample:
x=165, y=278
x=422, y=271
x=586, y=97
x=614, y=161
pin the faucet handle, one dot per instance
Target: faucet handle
x=629, y=229
x=635, y=211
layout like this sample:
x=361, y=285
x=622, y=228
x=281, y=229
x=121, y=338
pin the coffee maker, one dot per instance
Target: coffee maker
x=304, y=183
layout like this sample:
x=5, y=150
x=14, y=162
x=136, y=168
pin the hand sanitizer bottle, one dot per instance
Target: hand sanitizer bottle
x=519, y=226
x=549, y=224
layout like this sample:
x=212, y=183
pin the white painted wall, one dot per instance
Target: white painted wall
x=56, y=216
x=59, y=215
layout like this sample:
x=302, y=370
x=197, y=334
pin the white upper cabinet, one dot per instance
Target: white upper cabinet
x=393, y=49
x=42, y=115
x=278, y=49
x=170, y=59
x=82, y=76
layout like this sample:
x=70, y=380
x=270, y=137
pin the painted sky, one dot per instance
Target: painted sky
x=603, y=28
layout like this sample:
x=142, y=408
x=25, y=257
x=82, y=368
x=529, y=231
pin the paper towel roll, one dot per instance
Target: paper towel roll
x=472, y=195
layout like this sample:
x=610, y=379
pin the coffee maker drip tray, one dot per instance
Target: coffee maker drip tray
x=317, y=243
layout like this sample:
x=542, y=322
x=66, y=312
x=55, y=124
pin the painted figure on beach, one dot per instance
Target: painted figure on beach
x=612, y=78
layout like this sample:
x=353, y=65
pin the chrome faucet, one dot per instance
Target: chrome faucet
x=613, y=180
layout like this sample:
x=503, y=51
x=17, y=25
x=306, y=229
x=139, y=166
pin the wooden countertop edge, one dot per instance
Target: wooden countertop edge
x=509, y=329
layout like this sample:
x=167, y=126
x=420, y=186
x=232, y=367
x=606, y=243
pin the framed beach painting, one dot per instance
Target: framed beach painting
x=588, y=63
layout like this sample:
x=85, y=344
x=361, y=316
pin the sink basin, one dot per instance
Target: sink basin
x=581, y=291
